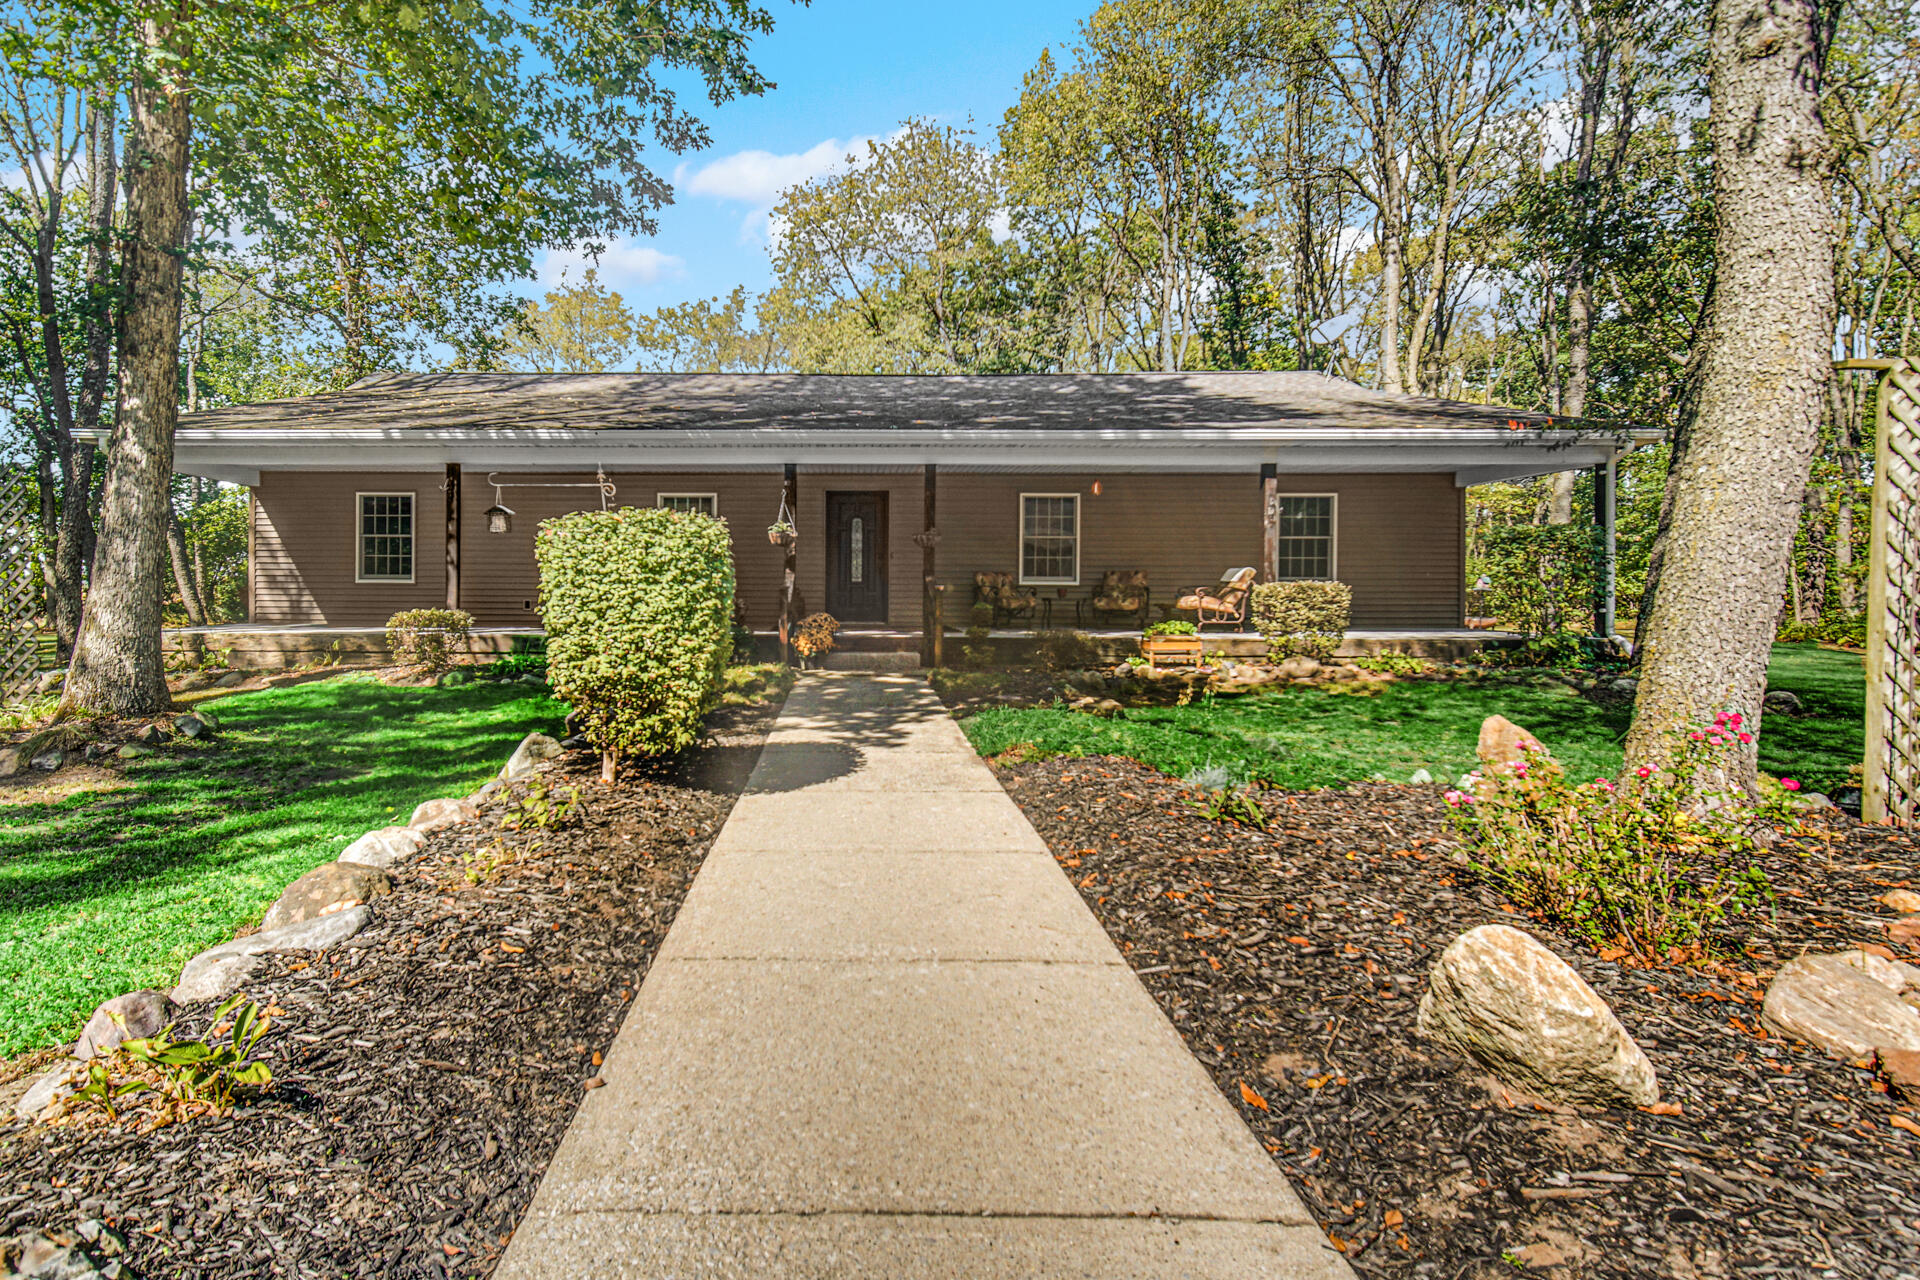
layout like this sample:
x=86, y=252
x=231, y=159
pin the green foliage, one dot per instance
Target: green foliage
x=1394, y=664
x=580, y=328
x=1557, y=650
x=540, y=806
x=428, y=638
x=1542, y=575
x=512, y=666
x=755, y=684
x=1649, y=865
x=711, y=335
x=638, y=605
x=1069, y=650
x=1302, y=616
x=186, y=1072
x=1172, y=627
x=1833, y=628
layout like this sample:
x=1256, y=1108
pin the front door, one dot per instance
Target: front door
x=857, y=556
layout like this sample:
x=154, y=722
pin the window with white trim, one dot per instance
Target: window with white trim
x=707, y=504
x=1050, y=539
x=1306, y=529
x=385, y=543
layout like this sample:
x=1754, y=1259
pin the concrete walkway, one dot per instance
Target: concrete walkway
x=885, y=1038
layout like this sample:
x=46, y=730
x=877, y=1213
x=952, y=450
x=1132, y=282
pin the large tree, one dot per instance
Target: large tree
x=519, y=127
x=579, y=328
x=1740, y=461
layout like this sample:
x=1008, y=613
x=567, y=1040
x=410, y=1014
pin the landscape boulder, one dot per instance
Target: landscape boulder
x=230, y=679
x=150, y=735
x=1298, y=667
x=383, y=847
x=220, y=971
x=526, y=757
x=61, y=1255
x=49, y=1088
x=432, y=815
x=1782, y=702
x=132, y=751
x=48, y=761
x=191, y=727
x=50, y=680
x=1502, y=742
x=1842, y=1004
x=133, y=1016
x=329, y=887
x=1517, y=1009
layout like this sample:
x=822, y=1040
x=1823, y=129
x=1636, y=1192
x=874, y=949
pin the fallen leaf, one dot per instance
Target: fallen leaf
x=1665, y=1109
x=1252, y=1099
x=508, y=946
x=1898, y=1122
x=1393, y=1218
x=593, y=1082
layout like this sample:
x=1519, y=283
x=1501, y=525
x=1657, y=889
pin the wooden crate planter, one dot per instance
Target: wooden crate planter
x=1171, y=651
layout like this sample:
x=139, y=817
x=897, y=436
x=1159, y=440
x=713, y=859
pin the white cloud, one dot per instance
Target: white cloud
x=623, y=266
x=756, y=178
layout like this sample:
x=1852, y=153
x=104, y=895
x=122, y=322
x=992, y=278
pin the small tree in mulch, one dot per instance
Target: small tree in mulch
x=638, y=605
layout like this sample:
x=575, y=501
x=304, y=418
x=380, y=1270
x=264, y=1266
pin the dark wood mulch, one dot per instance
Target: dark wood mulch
x=426, y=1069
x=1293, y=963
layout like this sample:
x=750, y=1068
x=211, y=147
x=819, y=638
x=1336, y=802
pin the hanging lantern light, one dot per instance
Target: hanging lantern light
x=499, y=518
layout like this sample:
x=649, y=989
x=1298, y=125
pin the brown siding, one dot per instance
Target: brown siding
x=1399, y=539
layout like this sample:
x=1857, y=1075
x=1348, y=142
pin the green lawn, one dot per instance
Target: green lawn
x=1314, y=736
x=105, y=892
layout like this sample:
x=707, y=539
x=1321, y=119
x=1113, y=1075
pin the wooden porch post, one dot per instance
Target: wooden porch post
x=789, y=500
x=929, y=571
x=453, y=535
x=1605, y=500
x=1269, y=521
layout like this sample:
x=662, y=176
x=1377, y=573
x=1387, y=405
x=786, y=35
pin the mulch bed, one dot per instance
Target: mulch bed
x=1293, y=963
x=426, y=1069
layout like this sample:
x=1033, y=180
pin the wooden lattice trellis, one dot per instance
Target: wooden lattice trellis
x=19, y=589
x=1891, y=791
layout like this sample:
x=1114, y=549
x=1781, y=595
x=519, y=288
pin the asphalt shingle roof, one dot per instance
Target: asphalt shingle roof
x=726, y=402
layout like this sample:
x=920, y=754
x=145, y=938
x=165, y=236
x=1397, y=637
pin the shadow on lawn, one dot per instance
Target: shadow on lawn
x=290, y=771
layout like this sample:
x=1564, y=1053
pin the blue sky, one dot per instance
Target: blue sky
x=847, y=70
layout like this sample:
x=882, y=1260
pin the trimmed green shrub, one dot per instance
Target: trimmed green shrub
x=426, y=638
x=1307, y=617
x=977, y=651
x=638, y=605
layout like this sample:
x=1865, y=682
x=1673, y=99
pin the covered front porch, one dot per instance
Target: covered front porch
x=275, y=647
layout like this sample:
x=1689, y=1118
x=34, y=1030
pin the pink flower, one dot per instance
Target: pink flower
x=1734, y=719
x=1721, y=718
x=1746, y=737
x=1644, y=771
x=1697, y=735
x=1789, y=784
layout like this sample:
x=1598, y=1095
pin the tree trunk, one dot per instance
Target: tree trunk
x=190, y=601
x=1736, y=489
x=117, y=661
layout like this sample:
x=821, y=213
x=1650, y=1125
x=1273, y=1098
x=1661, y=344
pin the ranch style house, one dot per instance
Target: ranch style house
x=424, y=490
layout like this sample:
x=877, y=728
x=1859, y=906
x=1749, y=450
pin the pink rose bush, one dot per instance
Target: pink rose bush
x=1648, y=862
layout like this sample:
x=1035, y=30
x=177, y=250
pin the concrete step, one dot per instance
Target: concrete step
x=873, y=660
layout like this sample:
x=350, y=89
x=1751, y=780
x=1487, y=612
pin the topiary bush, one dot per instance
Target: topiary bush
x=1307, y=617
x=638, y=605
x=426, y=638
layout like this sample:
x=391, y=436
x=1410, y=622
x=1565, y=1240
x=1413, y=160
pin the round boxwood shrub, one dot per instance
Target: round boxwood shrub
x=638, y=605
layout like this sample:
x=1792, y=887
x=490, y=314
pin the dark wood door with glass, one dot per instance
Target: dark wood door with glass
x=857, y=556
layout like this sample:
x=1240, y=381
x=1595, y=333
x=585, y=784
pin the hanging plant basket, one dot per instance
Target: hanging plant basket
x=782, y=535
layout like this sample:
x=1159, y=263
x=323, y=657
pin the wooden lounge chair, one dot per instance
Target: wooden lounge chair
x=1008, y=598
x=1222, y=603
x=1122, y=593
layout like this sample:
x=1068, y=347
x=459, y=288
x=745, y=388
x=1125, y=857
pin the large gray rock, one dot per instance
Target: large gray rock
x=1513, y=1006
x=220, y=971
x=133, y=1016
x=327, y=888
x=1843, y=1006
x=384, y=847
x=50, y=1087
x=60, y=1255
x=526, y=757
x=431, y=815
